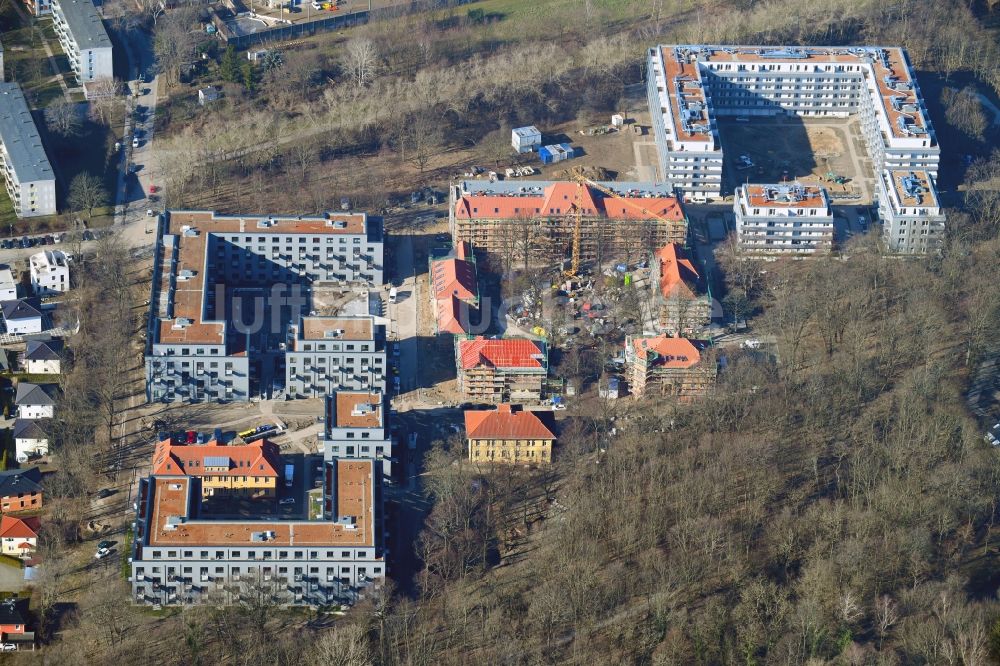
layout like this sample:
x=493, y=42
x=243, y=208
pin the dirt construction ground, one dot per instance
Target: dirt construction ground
x=793, y=149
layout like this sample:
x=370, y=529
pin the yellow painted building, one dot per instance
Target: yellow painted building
x=240, y=471
x=507, y=436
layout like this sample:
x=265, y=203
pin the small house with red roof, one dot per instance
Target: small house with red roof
x=508, y=435
x=503, y=370
x=679, y=291
x=18, y=536
x=250, y=470
x=512, y=218
x=675, y=367
x=454, y=289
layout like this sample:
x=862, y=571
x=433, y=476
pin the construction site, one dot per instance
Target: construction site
x=542, y=223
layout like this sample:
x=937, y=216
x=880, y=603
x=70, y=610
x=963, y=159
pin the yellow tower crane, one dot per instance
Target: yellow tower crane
x=577, y=213
x=577, y=222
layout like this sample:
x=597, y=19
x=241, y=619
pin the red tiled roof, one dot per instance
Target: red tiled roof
x=676, y=272
x=506, y=353
x=449, y=318
x=257, y=459
x=671, y=352
x=19, y=528
x=453, y=277
x=505, y=423
x=560, y=198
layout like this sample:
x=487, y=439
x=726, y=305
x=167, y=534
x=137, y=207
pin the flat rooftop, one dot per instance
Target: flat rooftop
x=354, y=409
x=784, y=195
x=182, y=282
x=337, y=328
x=913, y=188
x=20, y=137
x=887, y=66
x=172, y=503
x=85, y=24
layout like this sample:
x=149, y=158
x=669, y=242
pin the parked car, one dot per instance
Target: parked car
x=105, y=492
x=8, y=647
x=102, y=553
x=135, y=142
x=105, y=545
x=287, y=500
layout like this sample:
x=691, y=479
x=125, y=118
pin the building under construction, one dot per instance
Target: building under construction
x=533, y=222
x=506, y=370
x=678, y=367
x=681, y=295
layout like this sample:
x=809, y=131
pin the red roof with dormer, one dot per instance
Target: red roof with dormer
x=561, y=199
x=677, y=273
x=505, y=353
x=261, y=458
x=505, y=423
x=667, y=352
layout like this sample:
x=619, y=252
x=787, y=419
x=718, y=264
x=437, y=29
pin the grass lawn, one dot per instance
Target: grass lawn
x=520, y=19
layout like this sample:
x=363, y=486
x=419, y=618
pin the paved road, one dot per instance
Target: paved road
x=135, y=227
x=404, y=312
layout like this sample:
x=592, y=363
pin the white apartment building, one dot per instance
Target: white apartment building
x=786, y=218
x=355, y=427
x=183, y=555
x=689, y=86
x=84, y=39
x=8, y=286
x=196, y=349
x=49, y=272
x=327, y=354
x=28, y=176
x=912, y=221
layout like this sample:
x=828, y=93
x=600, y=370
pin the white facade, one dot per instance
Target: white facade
x=27, y=411
x=355, y=427
x=49, y=272
x=46, y=367
x=83, y=38
x=11, y=546
x=28, y=176
x=26, y=448
x=8, y=287
x=688, y=86
x=525, y=139
x=783, y=219
x=912, y=220
x=24, y=325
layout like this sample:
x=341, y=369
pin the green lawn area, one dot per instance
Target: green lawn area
x=520, y=19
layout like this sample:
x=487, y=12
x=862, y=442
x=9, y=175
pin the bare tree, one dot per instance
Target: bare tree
x=361, y=60
x=425, y=138
x=107, y=100
x=87, y=192
x=63, y=118
x=341, y=646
